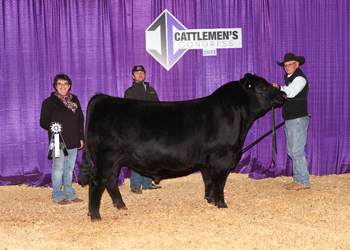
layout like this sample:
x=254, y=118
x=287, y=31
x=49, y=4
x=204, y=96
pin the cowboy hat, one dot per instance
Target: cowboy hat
x=291, y=57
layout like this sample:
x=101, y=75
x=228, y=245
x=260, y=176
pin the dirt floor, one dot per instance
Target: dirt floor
x=261, y=214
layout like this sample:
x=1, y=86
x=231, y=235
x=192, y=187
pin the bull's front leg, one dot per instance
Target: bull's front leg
x=223, y=167
x=214, y=186
x=208, y=185
x=218, y=191
x=216, y=194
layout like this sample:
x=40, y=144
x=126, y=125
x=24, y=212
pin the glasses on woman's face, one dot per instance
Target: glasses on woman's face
x=289, y=64
x=62, y=83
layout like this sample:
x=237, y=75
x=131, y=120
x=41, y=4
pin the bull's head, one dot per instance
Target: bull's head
x=265, y=92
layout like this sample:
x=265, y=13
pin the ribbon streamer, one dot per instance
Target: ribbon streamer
x=56, y=141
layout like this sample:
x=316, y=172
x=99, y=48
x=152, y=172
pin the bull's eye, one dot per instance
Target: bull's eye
x=250, y=86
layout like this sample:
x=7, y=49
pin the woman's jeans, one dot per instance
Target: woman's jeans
x=296, y=134
x=62, y=168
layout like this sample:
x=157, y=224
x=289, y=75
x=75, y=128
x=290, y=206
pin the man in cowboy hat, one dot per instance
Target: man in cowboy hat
x=296, y=117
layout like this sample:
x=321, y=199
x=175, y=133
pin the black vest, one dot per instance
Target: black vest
x=296, y=107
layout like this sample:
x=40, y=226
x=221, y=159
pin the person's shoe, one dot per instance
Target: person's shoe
x=63, y=202
x=77, y=200
x=289, y=184
x=297, y=186
x=136, y=190
x=152, y=187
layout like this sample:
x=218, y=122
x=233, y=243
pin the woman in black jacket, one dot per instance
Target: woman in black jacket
x=61, y=113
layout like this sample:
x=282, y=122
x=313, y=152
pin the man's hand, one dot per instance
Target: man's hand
x=276, y=85
x=81, y=144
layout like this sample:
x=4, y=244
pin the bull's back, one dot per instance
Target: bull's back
x=145, y=120
x=172, y=137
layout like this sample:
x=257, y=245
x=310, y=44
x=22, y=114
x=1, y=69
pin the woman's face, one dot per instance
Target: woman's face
x=62, y=87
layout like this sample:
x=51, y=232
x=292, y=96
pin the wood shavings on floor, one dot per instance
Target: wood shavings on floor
x=261, y=214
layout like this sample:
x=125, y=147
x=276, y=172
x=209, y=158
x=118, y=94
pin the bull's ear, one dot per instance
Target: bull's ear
x=247, y=75
x=246, y=78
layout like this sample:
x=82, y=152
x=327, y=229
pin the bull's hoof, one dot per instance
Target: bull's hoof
x=96, y=219
x=221, y=205
x=121, y=207
x=210, y=200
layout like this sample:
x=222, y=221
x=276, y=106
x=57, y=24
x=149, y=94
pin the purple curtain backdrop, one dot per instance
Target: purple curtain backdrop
x=97, y=43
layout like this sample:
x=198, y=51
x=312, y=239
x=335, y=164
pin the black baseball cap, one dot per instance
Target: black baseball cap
x=138, y=68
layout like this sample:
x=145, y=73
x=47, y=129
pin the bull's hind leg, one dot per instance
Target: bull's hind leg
x=113, y=190
x=96, y=187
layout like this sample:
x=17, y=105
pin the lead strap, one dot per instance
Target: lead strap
x=274, y=148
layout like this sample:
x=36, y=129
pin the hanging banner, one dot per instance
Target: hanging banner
x=167, y=39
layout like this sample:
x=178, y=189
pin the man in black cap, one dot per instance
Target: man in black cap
x=140, y=90
x=296, y=117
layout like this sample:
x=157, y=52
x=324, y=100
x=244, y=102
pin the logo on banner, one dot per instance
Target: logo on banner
x=167, y=40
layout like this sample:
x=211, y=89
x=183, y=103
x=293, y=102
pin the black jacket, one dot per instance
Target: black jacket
x=137, y=91
x=296, y=107
x=53, y=109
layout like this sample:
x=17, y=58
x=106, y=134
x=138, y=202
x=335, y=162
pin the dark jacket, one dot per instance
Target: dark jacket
x=296, y=107
x=53, y=109
x=137, y=91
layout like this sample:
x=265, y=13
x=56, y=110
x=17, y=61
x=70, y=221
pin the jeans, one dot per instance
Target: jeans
x=136, y=180
x=296, y=134
x=62, y=167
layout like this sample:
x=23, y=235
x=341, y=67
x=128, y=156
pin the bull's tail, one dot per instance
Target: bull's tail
x=86, y=166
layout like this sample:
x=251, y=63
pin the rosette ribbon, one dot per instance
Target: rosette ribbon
x=56, y=141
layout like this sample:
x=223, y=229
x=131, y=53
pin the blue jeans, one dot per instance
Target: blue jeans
x=136, y=180
x=296, y=134
x=62, y=167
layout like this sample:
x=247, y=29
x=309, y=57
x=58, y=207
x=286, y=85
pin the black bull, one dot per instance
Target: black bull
x=171, y=139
